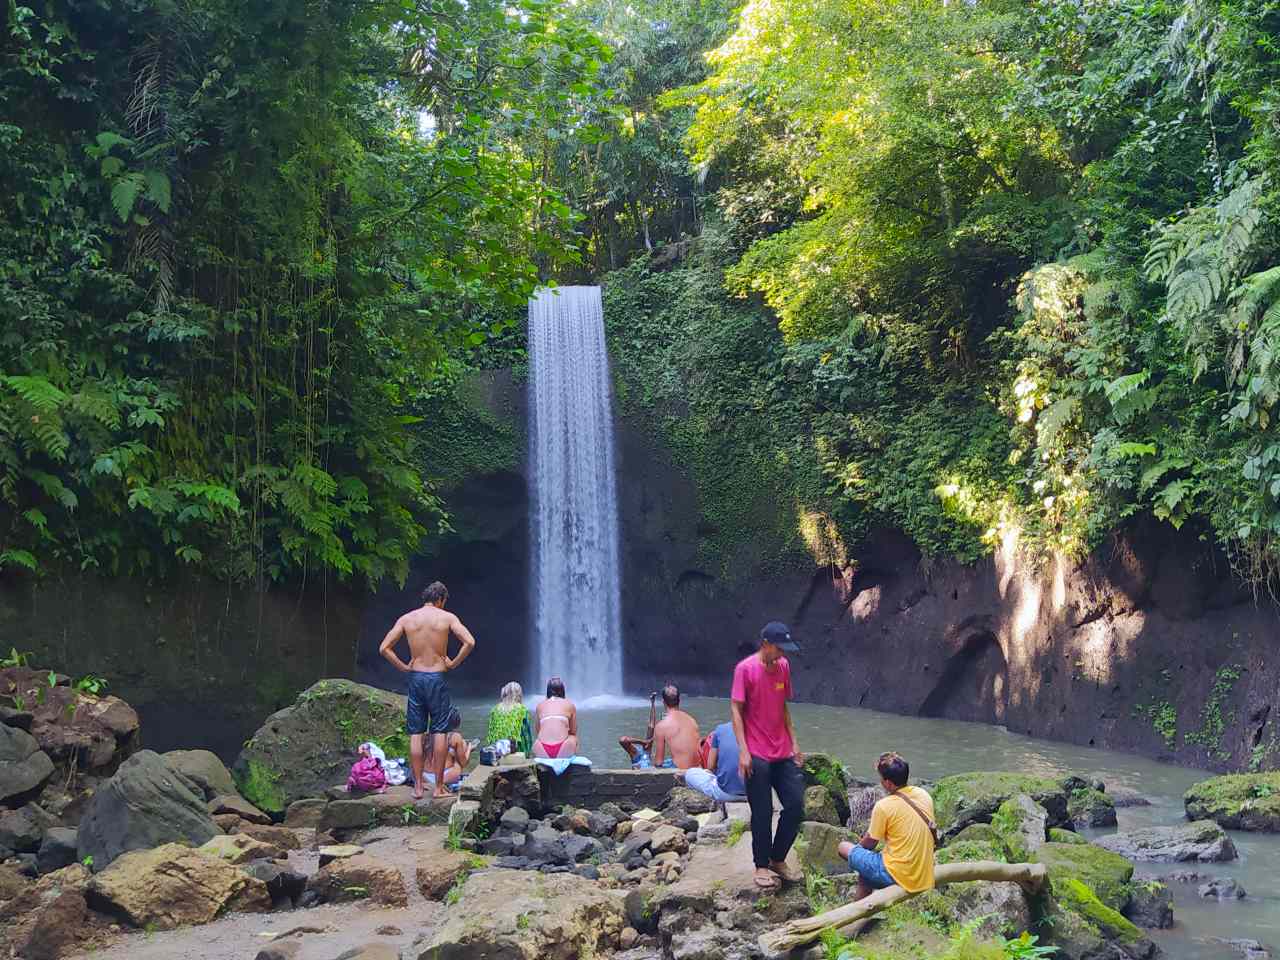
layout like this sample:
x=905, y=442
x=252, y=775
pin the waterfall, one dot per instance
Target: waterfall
x=574, y=566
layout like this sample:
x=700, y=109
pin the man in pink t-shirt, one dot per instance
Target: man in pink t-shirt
x=767, y=755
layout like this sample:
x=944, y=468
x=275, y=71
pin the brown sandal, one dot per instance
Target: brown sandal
x=785, y=873
x=769, y=881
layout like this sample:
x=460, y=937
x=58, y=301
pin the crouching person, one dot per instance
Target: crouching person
x=903, y=821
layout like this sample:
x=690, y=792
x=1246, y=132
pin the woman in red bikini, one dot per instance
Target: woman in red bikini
x=557, y=724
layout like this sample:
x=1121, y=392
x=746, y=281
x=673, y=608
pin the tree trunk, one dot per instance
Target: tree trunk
x=1029, y=876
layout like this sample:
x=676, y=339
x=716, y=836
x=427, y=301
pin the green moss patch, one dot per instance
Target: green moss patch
x=1107, y=874
x=1059, y=835
x=260, y=785
x=1238, y=801
x=1090, y=807
x=958, y=851
x=1077, y=897
x=974, y=797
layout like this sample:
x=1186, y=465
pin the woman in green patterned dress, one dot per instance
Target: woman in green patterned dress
x=509, y=720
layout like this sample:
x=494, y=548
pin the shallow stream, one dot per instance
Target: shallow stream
x=936, y=748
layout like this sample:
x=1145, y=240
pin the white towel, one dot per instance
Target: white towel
x=559, y=765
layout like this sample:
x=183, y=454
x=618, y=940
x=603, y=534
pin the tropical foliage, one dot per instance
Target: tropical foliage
x=1021, y=256
x=240, y=244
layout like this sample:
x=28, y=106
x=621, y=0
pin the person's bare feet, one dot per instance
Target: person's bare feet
x=441, y=795
x=417, y=793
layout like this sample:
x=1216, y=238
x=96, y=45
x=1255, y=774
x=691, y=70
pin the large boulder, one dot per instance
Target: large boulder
x=361, y=877
x=516, y=916
x=685, y=801
x=440, y=872
x=21, y=831
x=820, y=808
x=1090, y=807
x=975, y=797
x=1202, y=841
x=818, y=847
x=1106, y=873
x=241, y=848
x=1020, y=823
x=145, y=804
x=497, y=789
x=94, y=733
x=1082, y=927
x=24, y=767
x=173, y=886
x=1238, y=801
x=305, y=748
x=819, y=769
x=204, y=769
x=1150, y=906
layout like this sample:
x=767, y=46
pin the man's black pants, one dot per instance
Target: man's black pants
x=767, y=776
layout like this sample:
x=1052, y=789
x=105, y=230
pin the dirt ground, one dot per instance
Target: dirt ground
x=323, y=932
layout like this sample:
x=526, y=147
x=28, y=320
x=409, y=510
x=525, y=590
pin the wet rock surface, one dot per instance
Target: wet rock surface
x=1202, y=841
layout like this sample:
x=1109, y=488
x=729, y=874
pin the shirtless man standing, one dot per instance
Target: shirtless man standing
x=427, y=630
x=677, y=732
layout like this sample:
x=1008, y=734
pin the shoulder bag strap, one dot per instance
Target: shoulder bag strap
x=933, y=827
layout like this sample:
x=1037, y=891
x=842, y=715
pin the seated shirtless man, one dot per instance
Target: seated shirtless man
x=427, y=631
x=676, y=732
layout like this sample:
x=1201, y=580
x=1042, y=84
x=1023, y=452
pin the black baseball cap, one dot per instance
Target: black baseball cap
x=779, y=634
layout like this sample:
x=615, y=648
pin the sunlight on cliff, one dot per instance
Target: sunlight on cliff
x=822, y=537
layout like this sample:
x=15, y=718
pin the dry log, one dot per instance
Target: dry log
x=1029, y=876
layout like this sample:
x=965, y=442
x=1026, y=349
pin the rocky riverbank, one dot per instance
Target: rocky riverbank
x=165, y=855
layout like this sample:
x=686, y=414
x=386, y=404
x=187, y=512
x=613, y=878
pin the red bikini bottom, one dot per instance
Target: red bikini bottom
x=553, y=749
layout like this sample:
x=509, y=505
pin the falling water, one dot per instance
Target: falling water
x=576, y=628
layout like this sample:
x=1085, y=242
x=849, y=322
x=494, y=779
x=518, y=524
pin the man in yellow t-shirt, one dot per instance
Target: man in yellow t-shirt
x=907, y=858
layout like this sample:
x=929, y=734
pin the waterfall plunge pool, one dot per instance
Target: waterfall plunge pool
x=937, y=748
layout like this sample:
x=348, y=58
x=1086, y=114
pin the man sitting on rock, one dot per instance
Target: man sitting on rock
x=677, y=731
x=720, y=780
x=904, y=822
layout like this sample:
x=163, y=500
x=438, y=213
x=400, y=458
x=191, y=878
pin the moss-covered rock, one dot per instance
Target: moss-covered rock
x=1087, y=807
x=1238, y=801
x=1059, y=835
x=1107, y=874
x=1020, y=823
x=302, y=750
x=978, y=831
x=819, y=807
x=1084, y=928
x=958, y=851
x=822, y=770
x=1151, y=905
x=975, y=797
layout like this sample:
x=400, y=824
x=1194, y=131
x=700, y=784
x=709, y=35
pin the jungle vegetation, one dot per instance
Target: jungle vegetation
x=962, y=267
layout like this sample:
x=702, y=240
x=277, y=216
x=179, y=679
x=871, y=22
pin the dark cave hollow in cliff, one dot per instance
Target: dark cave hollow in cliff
x=974, y=683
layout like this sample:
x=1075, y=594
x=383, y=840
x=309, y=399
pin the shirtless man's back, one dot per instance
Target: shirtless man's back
x=427, y=631
x=676, y=732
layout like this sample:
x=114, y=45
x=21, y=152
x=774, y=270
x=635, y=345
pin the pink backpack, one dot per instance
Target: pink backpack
x=367, y=776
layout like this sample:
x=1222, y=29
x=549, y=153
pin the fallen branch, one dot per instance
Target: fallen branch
x=1029, y=876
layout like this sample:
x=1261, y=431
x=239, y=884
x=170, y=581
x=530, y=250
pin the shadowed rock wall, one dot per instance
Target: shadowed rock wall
x=1148, y=645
